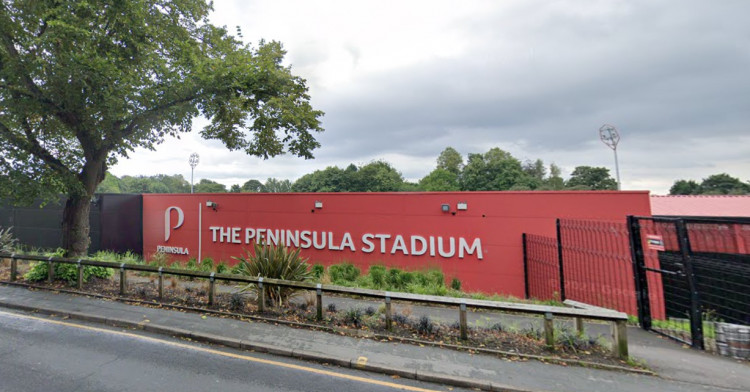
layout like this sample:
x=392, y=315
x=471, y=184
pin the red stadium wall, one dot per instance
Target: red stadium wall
x=394, y=229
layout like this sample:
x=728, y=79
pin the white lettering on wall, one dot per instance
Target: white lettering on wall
x=413, y=245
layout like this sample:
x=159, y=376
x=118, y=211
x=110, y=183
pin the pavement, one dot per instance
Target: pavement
x=677, y=368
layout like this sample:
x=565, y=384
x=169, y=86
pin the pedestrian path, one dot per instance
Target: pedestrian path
x=701, y=372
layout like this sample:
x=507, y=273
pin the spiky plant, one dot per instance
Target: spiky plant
x=275, y=262
x=8, y=243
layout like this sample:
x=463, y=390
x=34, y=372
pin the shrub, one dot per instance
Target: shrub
x=275, y=262
x=317, y=271
x=331, y=307
x=8, y=242
x=343, y=274
x=425, y=326
x=192, y=264
x=221, y=268
x=207, y=265
x=353, y=316
x=456, y=284
x=67, y=272
x=370, y=311
x=236, y=302
x=377, y=275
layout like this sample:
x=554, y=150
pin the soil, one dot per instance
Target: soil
x=366, y=322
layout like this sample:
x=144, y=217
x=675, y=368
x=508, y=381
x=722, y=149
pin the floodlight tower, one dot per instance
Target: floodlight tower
x=193, y=160
x=610, y=137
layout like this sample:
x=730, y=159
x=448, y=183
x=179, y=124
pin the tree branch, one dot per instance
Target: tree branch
x=31, y=145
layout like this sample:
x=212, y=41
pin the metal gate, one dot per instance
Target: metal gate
x=691, y=275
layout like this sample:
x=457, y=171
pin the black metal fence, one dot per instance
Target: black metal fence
x=686, y=278
x=116, y=222
x=693, y=278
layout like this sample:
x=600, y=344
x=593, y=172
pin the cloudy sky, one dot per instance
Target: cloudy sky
x=402, y=80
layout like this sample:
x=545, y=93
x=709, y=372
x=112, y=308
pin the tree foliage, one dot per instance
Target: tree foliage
x=450, y=160
x=83, y=83
x=716, y=184
x=209, y=186
x=591, y=178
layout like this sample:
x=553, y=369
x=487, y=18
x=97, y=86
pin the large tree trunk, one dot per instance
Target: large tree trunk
x=75, y=226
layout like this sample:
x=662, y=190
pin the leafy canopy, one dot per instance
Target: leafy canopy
x=83, y=83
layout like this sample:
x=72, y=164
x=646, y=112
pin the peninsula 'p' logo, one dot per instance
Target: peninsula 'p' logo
x=167, y=221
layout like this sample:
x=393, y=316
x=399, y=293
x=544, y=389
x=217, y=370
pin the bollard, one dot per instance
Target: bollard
x=549, y=331
x=13, y=267
x=388, y=315
x=50, y=271
x=579, y=326
x=462, y=320
x=80, y=275
x=123, y=279
x=161, y=284
x=211, y=289
x=319, y=301
x=261, y=296
x=620, y=339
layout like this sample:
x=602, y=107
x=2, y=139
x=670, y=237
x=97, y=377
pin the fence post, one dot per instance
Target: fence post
x=696, y=314
x=13, y=267
x=261, y=296
x=549, y=331
x=211, y=289
x=525, y=267
x=388, y=315
x=642, y=298
x=579, y=326
x=319, y=301
x=123, y=279
x=50, y=270
x=80, y=275
x=620, y=339
x=161, y=284
x=462, y=320
x=560, y=260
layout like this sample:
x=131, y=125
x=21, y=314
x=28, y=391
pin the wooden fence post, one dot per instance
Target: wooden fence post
x=161, y=284
x=620, y=339
x=388, y=315
x=261, y=296
x=549, y=331
x=319, y=301
x=123, y=279
x=579, y=326
x=462, y=320
x=13, y=267
x=80, y=275
x=50, y=271
x=211, y=289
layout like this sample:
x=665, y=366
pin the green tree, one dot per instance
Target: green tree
x=142, y=184
x=175, y=183
x=253, y=186
x=209, y=186
x=495, y=170
x=331, y=179
x=683, y=187
x=274, y=185
x=110, y=184
x=723, y=184
x=440, y=180
x=83, y=83
x=236, y=188
x=591, y=178
x=377, y=176
x=450, y=160
x=554, y=182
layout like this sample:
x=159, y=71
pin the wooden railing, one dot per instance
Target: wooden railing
x=578, y=312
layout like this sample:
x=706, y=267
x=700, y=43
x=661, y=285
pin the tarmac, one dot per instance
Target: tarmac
x=677, y=368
